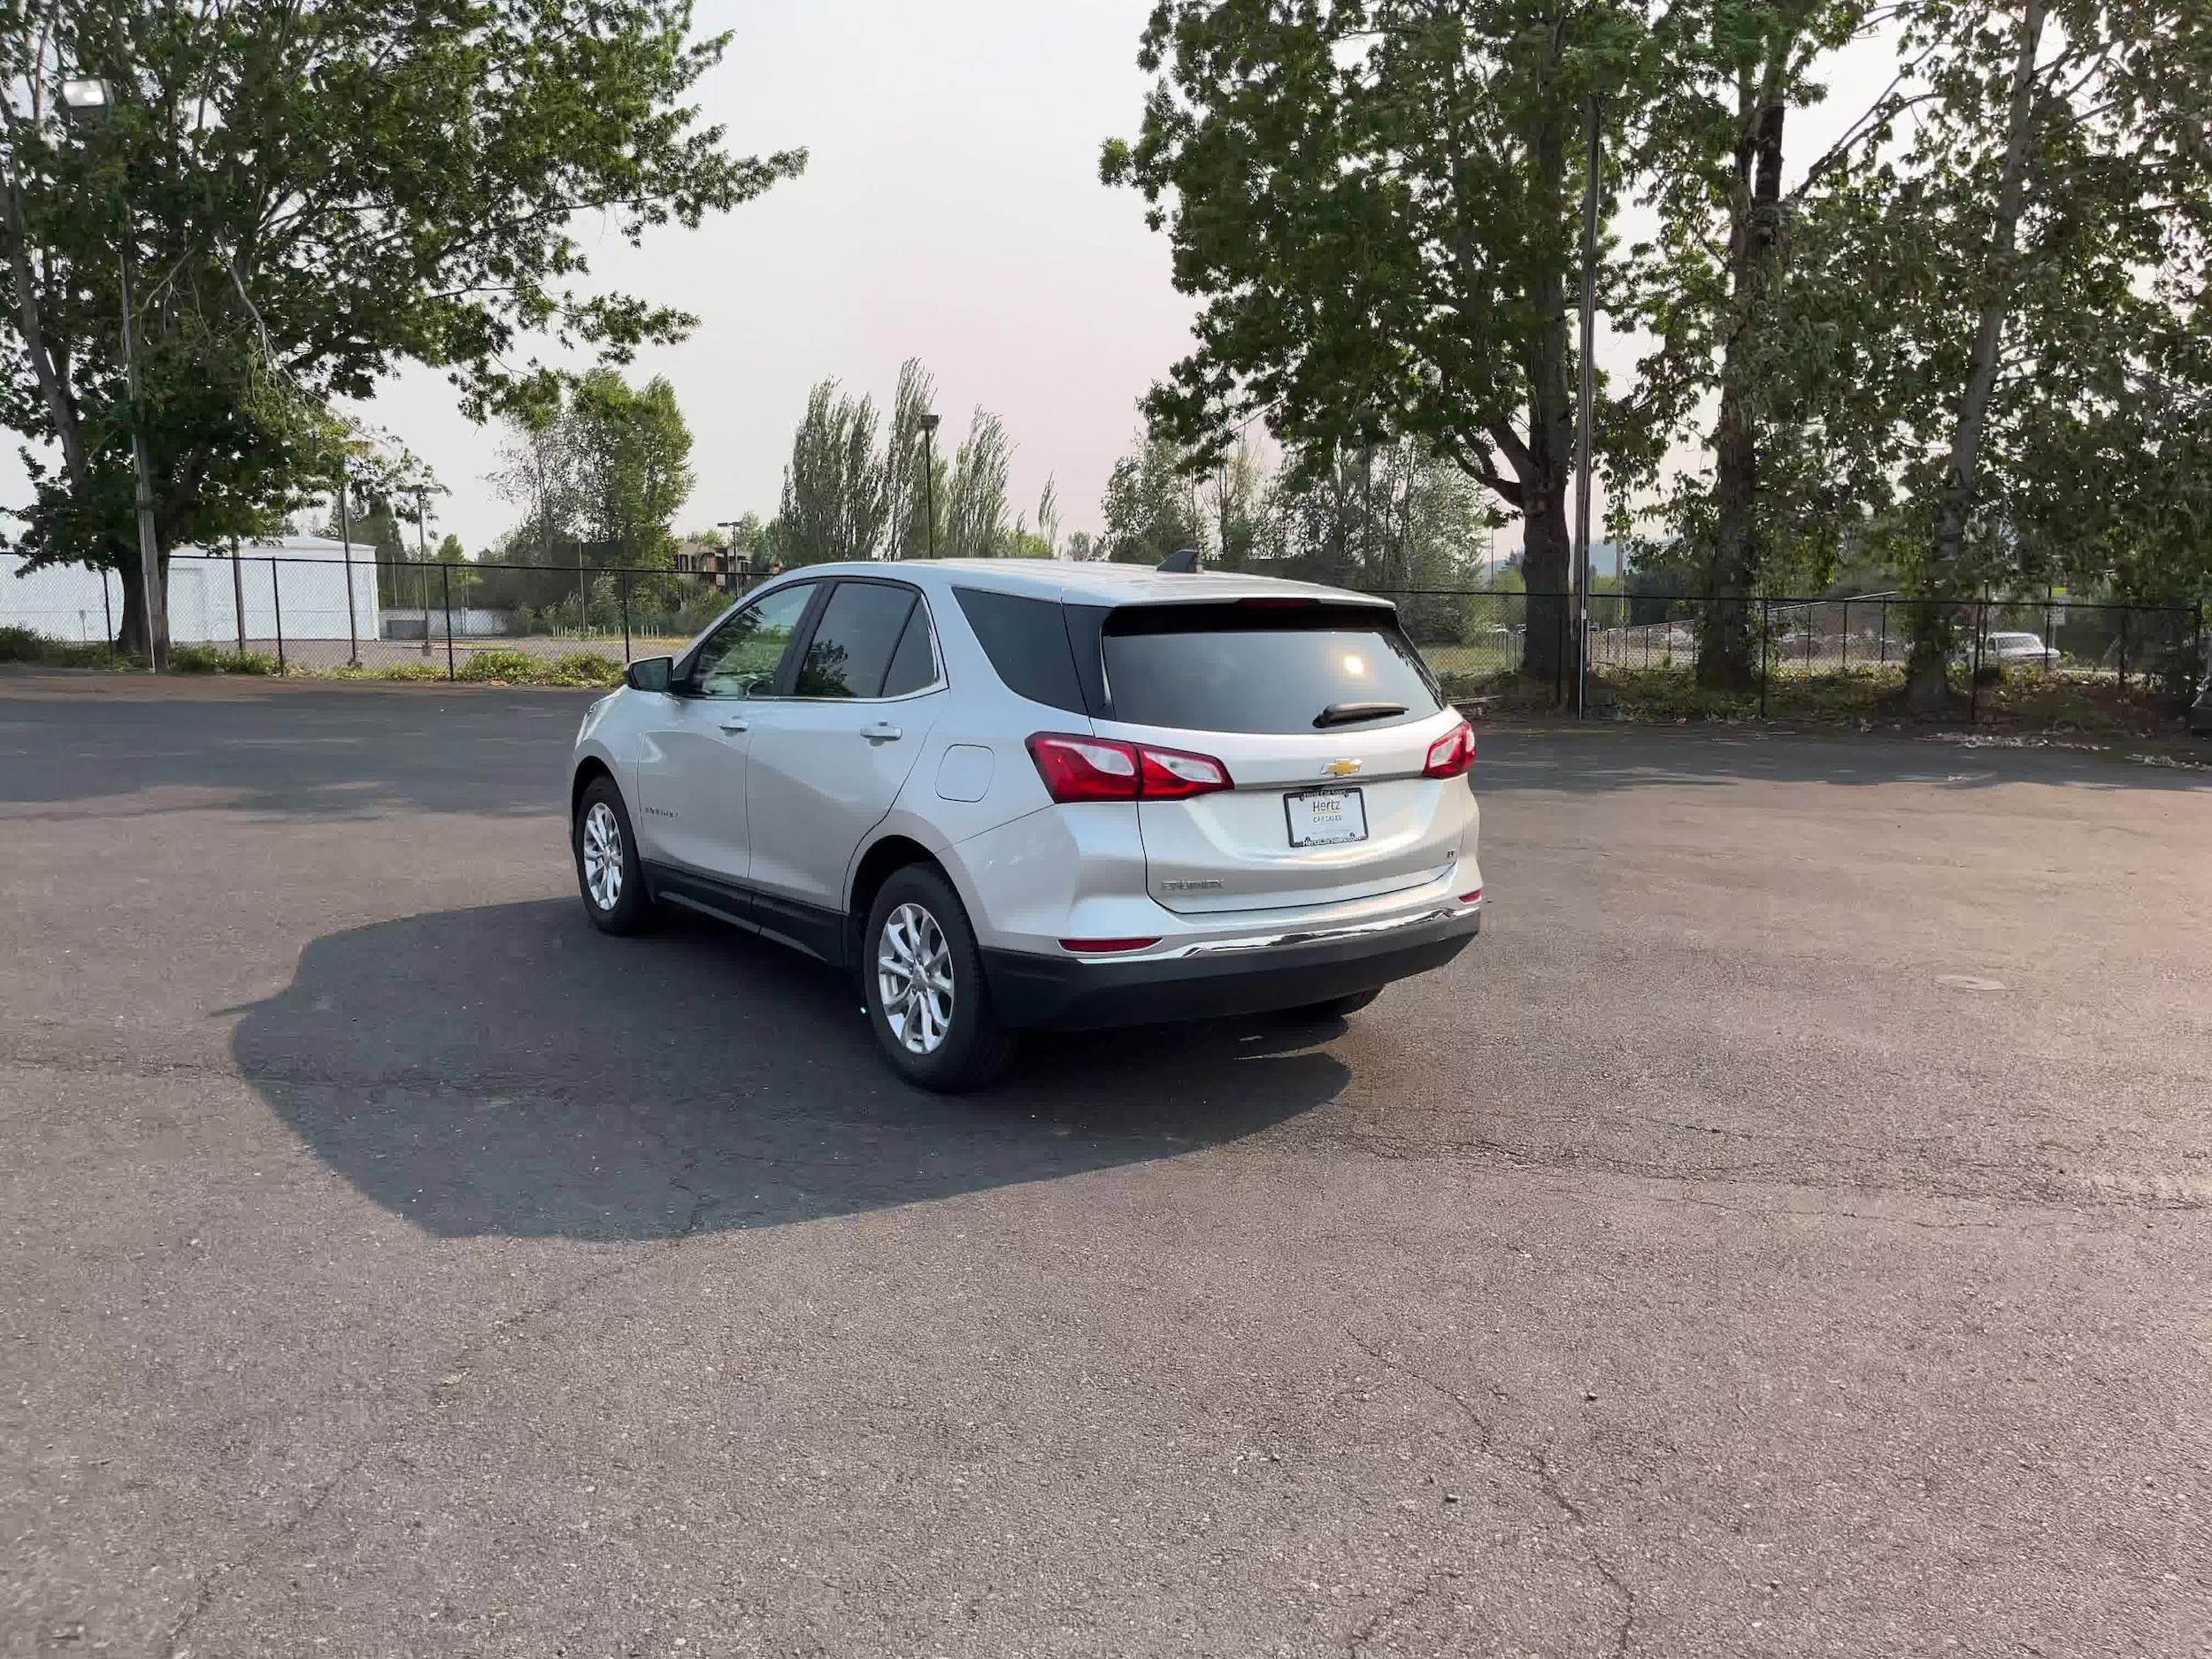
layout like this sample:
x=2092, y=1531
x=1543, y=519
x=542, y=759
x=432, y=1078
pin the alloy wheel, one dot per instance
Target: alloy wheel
x=914, y=978
x=602, y=855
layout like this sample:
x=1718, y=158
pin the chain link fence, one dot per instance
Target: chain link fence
x=1477, y=635
x=335, y=612
x=313, y=614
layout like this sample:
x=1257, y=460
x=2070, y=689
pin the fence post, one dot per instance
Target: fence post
x=1974, y=675
x=1766, y=632
x=1881, y=627
x=107, y=611
x=626, y=615
x=445, y=587
x=2124, y=648
x=238, y=595
x=1847, y=638
x=276, y=592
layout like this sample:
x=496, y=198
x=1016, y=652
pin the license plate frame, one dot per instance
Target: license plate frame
x=1295, y=798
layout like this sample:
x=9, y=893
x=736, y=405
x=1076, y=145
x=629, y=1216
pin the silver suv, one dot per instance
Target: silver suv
x=1010, y=794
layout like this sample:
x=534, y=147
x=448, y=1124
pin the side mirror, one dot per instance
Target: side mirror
x=648, y=674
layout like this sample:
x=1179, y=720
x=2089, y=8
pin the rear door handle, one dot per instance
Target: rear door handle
x=881, y=732
x=737, y=725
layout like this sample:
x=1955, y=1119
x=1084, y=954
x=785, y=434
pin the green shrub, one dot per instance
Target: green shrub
x=583, y=668
x=514, y=667
x=208, y=659
x=23, y=645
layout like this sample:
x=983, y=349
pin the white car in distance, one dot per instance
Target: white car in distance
x=1021, y=794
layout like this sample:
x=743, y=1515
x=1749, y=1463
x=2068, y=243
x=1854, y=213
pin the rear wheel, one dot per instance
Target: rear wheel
x=1336, y=1006
x=922, y=973
x=608, y=873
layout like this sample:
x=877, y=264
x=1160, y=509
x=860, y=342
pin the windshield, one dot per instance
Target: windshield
x=1231, y=668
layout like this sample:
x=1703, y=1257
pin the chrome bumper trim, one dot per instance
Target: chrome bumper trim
x=1324, y=935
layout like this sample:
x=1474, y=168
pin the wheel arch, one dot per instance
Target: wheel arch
x=589, y=768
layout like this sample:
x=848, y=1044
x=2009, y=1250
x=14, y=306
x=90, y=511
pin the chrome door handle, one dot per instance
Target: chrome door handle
x=881, y=732
x=737, y=725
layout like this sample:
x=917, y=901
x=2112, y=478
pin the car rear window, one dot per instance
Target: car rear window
x=1244, y=668
x=1028, y=643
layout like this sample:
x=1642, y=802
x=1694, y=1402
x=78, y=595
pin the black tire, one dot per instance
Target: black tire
x=632, y=908
x=1335, y=1007
x=973, y=1047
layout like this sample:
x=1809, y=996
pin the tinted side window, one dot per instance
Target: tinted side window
x=1028, y=643
x=914, y=664
x=740, y=658
x=853, y=642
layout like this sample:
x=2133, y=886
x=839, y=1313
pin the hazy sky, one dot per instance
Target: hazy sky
x=951, y=210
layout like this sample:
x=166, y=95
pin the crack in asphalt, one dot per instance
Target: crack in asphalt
x=210, y=1581
x=1533, y=1463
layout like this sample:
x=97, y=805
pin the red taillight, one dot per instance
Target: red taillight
x=1085, y=768
x=1451, y=754
x=1101, y=769
x=1101, y=947
x=1170, y=773
x=1472, y=898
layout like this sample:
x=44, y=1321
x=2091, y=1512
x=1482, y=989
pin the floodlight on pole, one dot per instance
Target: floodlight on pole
x=83, y=95
x=929, y=476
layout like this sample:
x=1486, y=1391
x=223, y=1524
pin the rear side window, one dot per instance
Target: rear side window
x=1239, y=668
x=1028, y=643
x=854, y=641
x=914, y=664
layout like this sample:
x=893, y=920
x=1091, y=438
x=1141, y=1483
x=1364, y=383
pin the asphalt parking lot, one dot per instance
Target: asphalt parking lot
x=1784, y=1232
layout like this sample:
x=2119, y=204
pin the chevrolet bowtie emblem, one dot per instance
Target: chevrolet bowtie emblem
x=1339, y=768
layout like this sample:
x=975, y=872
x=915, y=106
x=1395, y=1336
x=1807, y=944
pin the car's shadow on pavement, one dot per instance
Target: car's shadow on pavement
x=509, y=1072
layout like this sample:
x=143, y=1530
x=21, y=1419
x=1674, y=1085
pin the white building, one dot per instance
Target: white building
x=302, y=578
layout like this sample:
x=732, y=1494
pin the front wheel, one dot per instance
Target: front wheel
x=608, y=873
x=927, y=999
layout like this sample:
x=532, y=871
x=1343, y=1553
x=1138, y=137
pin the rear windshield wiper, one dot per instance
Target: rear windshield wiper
x=1352, y=713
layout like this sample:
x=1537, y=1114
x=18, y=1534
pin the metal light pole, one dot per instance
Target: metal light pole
x=729, y=553
x=929, y=477
x=345, y=540
x=422, y=555
x=91, y=99
x=1586, y=395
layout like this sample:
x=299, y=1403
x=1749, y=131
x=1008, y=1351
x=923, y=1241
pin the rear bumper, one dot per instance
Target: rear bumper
x=1075, y=994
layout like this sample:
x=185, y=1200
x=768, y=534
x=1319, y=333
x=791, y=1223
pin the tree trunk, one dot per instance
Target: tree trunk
x=1726, y=658
x=131, y=636
x=1927, y=677
x=1545, y=464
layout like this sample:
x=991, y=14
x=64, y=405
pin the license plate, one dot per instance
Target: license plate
x=1319, y=818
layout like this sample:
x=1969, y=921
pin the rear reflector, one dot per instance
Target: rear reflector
x=1451, y=754
x=1101, y=947
x=1472, y=898
x=1101, y=769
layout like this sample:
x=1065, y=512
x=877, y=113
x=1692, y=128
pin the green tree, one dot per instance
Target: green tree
x=1711, y=157
x=836, y=494
x=631, y=468
x=2017, y=283
x=975, y=506
x=1375, y=199
x=308, y=196
x=1151, y=504
x=909, y=492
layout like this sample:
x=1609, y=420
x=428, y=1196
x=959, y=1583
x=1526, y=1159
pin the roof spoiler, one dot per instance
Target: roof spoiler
x=1182, y=562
